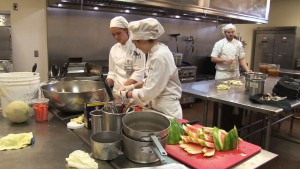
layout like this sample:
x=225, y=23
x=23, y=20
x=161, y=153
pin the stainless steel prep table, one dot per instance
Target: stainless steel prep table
x=53, y=144
x=206, y=89
x=236, y=96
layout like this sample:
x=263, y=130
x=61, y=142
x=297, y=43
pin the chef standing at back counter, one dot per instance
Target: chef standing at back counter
x=161, y=89
x=228, y=54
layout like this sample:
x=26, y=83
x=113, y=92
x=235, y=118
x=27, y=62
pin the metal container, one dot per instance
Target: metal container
x=141, y=125
x=178, y=58
x=112, y=121
x=96, y=118
x=253, y=75
x=256, y=86
x=106, y=145
x=69, y=96
x=143, y=152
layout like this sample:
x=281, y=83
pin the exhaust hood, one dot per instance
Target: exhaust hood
x=216, y=11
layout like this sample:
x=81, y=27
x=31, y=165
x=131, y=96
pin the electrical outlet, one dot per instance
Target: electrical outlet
x=36, y=53
x=15, y=6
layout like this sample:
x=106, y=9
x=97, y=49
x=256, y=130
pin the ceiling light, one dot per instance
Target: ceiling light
x=96, y=8
x=177, y=16
x=59, y=5
x=127, y=11
x=197, y=19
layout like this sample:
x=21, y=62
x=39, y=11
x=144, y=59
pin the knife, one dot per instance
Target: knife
x=107, y=87
x=191, y=122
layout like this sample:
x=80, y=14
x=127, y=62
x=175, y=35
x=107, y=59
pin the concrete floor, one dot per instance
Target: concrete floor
x=288, y=151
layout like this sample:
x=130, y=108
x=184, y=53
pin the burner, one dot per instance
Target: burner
x=63, y=116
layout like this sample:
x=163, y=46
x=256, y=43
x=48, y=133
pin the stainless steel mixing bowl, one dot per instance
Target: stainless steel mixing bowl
x=70, y=96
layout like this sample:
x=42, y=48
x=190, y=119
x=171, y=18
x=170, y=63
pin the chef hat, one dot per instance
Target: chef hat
x=228, y=26
x=145, y=29
x=119, y=22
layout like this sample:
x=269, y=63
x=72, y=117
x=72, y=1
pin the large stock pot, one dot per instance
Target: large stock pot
x=144, y=136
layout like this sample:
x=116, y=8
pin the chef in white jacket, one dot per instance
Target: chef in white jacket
x=228, y=53
x=126, y=62
x=161, y=89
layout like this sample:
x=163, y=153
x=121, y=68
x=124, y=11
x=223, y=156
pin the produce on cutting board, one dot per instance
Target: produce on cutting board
x=198, y=156
x=205, y=140
x=175, y=132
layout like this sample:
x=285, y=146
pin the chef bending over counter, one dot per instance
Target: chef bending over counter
x=161, y=89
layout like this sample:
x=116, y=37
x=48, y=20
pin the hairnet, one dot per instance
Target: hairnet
x=145, y=29
x=119, y=22
x=228, y=26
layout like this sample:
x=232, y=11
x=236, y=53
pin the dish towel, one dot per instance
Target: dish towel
x=81, y=160
x=16, y=141
x=285, y=105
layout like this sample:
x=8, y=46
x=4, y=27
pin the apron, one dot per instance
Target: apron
x=223, y=74
x=167, y=106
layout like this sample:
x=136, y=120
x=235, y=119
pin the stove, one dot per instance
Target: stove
x=187, y=74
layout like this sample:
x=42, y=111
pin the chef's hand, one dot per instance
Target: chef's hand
x=121, y=95
x=229, y=61
x=249, y=71
x=128, y=88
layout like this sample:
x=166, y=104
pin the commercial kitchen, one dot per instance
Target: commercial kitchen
x=68, y=40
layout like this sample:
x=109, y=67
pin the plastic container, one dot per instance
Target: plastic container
x=178, y=58
x=22, y=86
x=40, y=107
x=273, y=70
x=263, y=67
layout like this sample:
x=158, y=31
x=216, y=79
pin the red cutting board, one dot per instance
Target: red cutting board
x=220, y=160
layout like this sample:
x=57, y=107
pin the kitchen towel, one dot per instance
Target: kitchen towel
x=284, y=104
x=16, y=141
x=81, y=160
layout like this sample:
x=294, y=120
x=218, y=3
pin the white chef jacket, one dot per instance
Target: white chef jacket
x=162, y=88
x=124, y=65
x=228, y=49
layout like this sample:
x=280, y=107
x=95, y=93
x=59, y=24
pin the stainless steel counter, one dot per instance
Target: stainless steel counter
x=258, y=160
x=53, y=144
x=206, y=89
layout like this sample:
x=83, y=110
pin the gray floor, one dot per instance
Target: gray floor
x=288, y=151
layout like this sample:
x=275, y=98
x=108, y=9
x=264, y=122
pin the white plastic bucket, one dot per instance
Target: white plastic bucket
x=18, y=86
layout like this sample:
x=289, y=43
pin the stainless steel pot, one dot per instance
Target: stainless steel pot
x=143, y=152
x=256, y=86
x=112, y=121
x=106, y=145
x=141, y=125
x=253, y=75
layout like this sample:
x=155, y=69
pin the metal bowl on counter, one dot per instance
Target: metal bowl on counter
x=70, y=96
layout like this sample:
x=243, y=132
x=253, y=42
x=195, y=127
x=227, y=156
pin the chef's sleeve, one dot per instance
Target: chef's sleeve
x=216, y=51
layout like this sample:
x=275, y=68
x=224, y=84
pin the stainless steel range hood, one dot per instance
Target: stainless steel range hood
x=218, y=11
